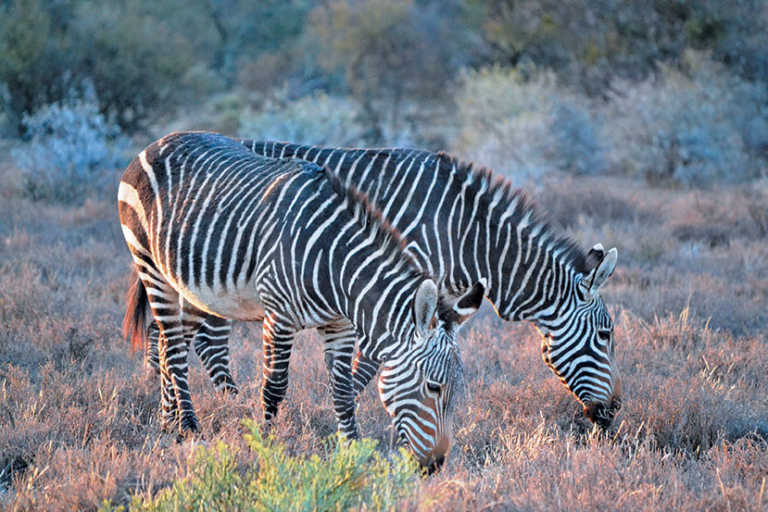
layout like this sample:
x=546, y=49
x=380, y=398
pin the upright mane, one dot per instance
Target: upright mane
x=569, y=251
x=386, y=236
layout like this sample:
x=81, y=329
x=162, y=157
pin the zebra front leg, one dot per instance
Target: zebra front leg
x=277, y=336
x=339, y=345
x=363, y=371
x=212, y=347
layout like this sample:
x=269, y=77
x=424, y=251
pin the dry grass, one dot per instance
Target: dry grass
x=78, y=415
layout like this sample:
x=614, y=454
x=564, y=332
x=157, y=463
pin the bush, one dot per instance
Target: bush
x=71, y=146
x=127, y=51
x=388, y=52
x=590, y=42
x=519, y=124
x=694, y=127
x=351, y=475
x=315, y=119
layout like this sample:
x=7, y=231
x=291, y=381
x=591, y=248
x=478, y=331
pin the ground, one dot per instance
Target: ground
x=79, y=412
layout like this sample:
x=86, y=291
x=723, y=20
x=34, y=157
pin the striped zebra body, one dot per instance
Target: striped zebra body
x=464, y=225
x=217, y=231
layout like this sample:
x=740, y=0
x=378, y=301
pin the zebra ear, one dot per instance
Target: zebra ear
x=468, y=304
x=603, y=271
x=424, y=305
x=595, y=256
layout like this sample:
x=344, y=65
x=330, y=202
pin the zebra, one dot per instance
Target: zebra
x=211, y=346
x=215, y=230
x=463, y=224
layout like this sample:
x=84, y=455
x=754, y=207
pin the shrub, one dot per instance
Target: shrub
x=389, y=51
x=352, y=474
x=71, y=146
x=520, y=124
x=127, y=50
x=315, y=119
x=588, y=43
x=694, y=127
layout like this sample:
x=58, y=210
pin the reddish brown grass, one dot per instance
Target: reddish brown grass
x=78, y=414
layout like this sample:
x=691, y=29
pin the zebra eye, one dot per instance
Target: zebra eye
x=433, y=388
x=604, y=335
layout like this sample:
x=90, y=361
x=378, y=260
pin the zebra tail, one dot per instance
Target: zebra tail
x=134, y=322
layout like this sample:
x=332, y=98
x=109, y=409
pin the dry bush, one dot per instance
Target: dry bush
x=316, y=119
x=689, y=127
x=523, y=125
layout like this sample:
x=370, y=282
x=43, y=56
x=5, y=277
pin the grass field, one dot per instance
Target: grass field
x=78, y=412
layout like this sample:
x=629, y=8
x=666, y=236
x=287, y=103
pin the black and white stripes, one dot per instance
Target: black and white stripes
x=217, y=231
x=464, y=224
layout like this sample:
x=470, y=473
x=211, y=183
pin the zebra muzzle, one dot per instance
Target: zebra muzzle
x=601, y=414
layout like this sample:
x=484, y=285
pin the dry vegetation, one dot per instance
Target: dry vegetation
x=619, y=110
x=78, y=416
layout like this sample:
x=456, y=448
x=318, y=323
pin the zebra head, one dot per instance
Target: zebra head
x=420, y=386
x=577, y=344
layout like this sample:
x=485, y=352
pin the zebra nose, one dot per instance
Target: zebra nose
x=600, y=414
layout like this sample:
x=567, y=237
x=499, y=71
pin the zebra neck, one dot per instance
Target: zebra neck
x=382, y=312
x=537, y=291
x=528, y=269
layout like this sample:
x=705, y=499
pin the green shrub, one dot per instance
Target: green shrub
x=126, y=50
x=349, y=475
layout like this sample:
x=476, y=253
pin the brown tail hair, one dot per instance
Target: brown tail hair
x=134, y=322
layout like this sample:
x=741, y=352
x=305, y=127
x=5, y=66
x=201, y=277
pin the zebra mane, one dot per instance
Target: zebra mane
x=569, y=251
x=386, y=236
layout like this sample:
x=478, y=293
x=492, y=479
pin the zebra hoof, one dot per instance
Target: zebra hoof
x=189, y=425
x=168, y=423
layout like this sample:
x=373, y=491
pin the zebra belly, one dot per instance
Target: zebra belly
x=239, y=304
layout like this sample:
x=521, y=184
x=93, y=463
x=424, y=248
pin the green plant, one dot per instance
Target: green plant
x=349, y=475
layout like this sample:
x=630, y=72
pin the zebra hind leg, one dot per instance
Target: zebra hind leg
x=176, y=327
x=212, y=347
x=277, y=342
x=151, y=353
x=339, y=346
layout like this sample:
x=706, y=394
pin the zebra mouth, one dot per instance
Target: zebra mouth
x=428, y=466
x=602, y=415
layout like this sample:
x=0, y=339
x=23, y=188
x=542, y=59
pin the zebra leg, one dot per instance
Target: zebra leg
x=339, y=346
x=277, y=336
x=363, y=370
x=177, y=326
x=212, y=347
x=151, y=354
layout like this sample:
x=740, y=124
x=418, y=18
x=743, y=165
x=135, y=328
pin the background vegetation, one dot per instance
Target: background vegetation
x=642, y=125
